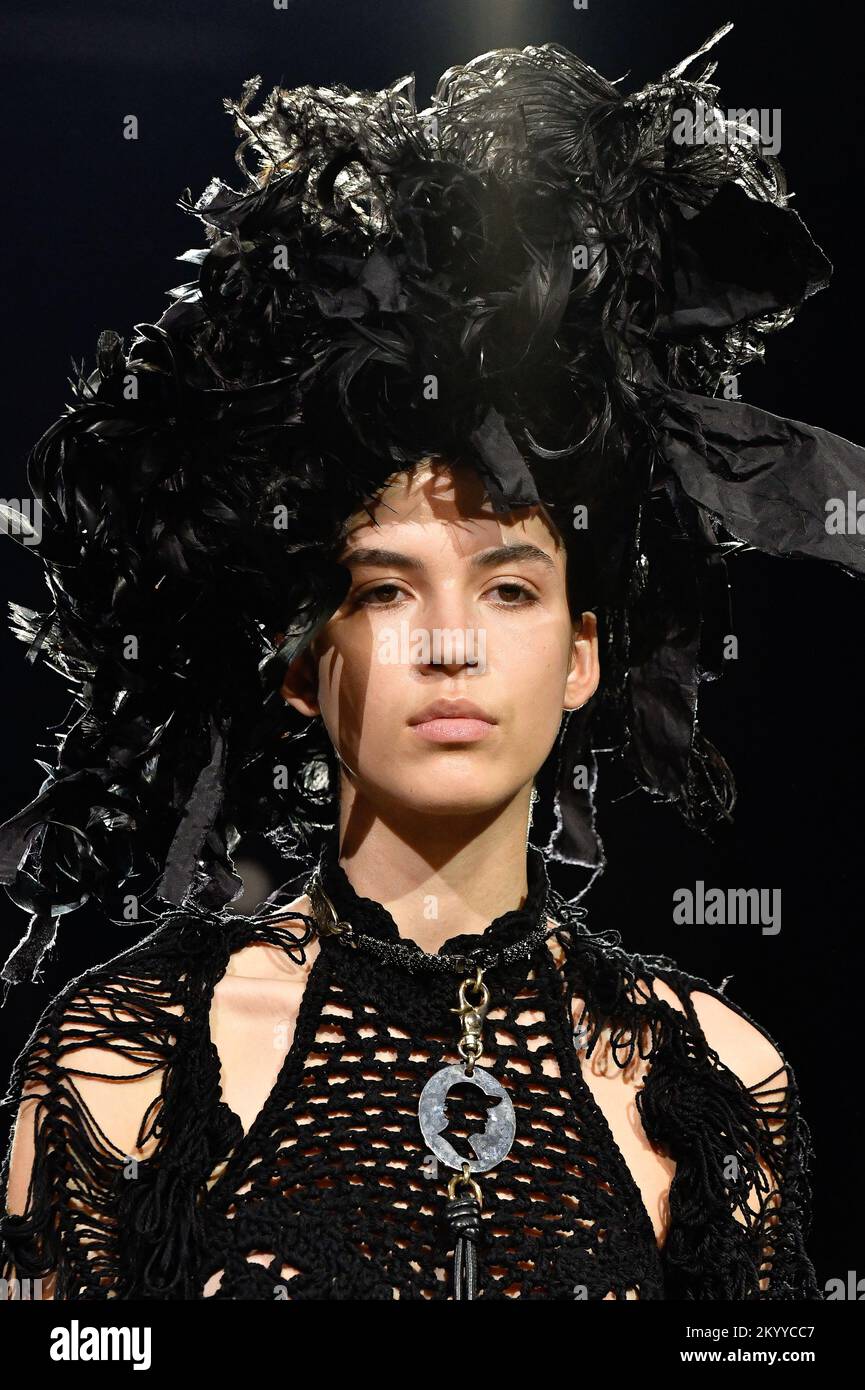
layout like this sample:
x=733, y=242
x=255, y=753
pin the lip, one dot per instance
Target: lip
x=451, y=709
x=452, y=721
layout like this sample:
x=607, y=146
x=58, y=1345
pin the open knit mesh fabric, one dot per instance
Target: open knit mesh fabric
x=331, y=1194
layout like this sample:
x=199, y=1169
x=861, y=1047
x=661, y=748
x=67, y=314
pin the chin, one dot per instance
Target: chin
x=468, y=795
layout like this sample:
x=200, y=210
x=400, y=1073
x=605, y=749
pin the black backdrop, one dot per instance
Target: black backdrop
x=90, y=233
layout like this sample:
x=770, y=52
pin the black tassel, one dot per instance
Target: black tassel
x=24, y=961
x=198, y=818
x=464, y=1218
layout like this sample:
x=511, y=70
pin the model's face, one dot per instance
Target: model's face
x=438, y=610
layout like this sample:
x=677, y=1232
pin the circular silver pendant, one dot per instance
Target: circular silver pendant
x=491, y=1144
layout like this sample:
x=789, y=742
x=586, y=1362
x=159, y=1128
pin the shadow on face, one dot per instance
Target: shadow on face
x=448, y=601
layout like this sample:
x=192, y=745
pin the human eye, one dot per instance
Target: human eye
x=367, y=598
x=522, y=595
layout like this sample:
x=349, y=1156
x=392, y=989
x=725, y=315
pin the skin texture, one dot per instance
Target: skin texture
x=423, y=823
x=445, y=823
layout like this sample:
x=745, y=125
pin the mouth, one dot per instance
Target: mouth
x=452, y=721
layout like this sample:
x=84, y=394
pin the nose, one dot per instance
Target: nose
x=455, y=637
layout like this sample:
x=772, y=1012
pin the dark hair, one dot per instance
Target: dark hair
x=390, y=284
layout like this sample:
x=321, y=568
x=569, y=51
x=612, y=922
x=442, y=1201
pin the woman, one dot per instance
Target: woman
x=412, y=1072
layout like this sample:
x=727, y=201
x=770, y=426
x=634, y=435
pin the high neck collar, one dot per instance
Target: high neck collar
x=373, y=919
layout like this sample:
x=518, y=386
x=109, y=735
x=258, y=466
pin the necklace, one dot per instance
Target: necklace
x=492, y=1144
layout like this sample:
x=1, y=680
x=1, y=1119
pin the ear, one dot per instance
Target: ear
x=300, y=682
x=585, y=672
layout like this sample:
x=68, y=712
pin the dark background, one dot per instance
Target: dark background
x=90, y=233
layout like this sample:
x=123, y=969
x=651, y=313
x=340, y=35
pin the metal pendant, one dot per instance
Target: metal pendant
x=490, y=1145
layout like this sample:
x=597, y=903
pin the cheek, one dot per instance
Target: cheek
x=537, y=658
x=533, y=677
x=353, y=683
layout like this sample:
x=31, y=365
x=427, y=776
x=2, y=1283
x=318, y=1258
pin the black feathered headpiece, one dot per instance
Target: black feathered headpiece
x=537, y=274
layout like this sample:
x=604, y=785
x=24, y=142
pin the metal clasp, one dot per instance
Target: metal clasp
x=465, y=1179
x=470, y=1045
x=327, y=918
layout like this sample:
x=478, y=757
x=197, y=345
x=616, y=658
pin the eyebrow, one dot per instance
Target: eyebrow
x=484, y=559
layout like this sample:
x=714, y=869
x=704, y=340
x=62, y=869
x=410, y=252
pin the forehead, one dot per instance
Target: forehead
x=446, y=506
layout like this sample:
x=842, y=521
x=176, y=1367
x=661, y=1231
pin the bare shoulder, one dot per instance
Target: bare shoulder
x=740, y=1045
x=99, y=1050
x=107, y=1015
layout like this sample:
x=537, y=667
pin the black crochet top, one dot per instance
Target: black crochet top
x=332, y=1193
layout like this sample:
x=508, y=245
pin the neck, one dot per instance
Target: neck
x=436, y=875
